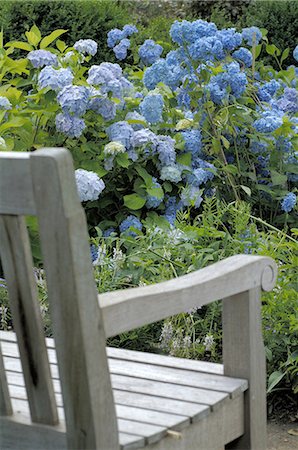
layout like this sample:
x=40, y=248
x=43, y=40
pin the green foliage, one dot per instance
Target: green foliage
x=84, y=19
x=279, y=18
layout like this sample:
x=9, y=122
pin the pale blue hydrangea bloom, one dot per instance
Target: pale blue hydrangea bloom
x=102, y=74
x=103, y=106
x=172, y=206
x=72, y=126
x=130, y=222
x=184, y=32
x=268, y=122
x=243, y=55
x=152, y=201
x=207, y=49
x=252, y=35
x=74, y=99
x=88, y=46
x=150, y=52
x=40, y=58
x=193, y=141
x=108, y=232
x=143, y=137
x=229, y=38
x=5, y=103
x=158, y=72
x=288, y=202
x=114, y=36
x=129, y=29
x=134, y=115
x=295, y=53
x=54, y=79
x=288, y=102
x=268, y=89
x=233, y=78
x=121, y=132
x=120, y=49
x=165, y=147
x=151, y=108
x=89, y=185
x=191, y=195
x=171, y=173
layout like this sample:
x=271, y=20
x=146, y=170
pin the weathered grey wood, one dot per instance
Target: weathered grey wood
x=18, y=269
x=5, y=403
x=16, y=193
x=165, y=361
x=244, y=356
x=144, y=305
x=233, y=386
x=88, y=401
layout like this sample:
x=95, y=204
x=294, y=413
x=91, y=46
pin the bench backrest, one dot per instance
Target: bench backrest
x=42, y=183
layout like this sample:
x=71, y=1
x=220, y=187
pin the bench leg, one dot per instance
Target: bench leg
x=244, y=357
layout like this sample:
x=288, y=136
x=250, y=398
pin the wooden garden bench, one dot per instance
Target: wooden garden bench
x=73, y=392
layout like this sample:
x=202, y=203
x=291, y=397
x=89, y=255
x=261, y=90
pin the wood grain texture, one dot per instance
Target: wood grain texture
x=80, y=341
x=18, y=269
x=244, y=356
x=5, y=403
x=16, y=192
x=144, y=305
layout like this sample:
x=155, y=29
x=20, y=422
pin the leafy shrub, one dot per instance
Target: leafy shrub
x=280, y=18
x=82, y=18
x=199, y=121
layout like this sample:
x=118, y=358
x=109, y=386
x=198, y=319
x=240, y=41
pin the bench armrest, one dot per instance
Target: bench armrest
x=124, y=310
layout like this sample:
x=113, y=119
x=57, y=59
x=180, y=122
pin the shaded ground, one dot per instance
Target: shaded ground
x=282, y=436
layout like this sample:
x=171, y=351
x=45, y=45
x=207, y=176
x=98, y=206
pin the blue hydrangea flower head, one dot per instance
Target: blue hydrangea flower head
x=72, y=126
x=129, y=29
x=295, y=53
x=74, y=99
x=150, y=52
x=172, y=206
x=152, y=201
x=207, y=49
x=238, y=84
x=114, y=36
x=184, y=32
x=41, y=58
x=268, y=89
x=103, y=106
x=158, y=72
x=88, y=46
x=98, y=75
x=130, y=222
x=120, y=49
x=114, y=68
x=165, y=147
x=288, y=102
x=5, y=104
x=268, y=122
x=193, y=141
x=143, y=137
x=171, y=173
x=108, y=232
x=229, y=38
x=151, y=108
x=252, y=35
x=54, y=79
x=244, y=55
x=288, y=202
x=121, y=132
x=89, y=185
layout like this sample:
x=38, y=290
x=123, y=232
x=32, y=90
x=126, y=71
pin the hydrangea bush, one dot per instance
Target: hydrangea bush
x=206, y=119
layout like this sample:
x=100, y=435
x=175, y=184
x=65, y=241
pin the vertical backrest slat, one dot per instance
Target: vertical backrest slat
x=5, y=403
x=18, y=270
x=77, y=321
